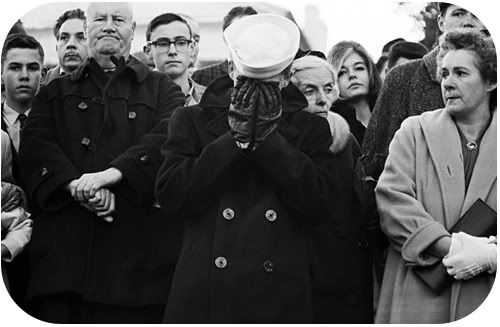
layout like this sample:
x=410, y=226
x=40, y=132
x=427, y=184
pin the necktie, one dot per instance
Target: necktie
x=22, y=120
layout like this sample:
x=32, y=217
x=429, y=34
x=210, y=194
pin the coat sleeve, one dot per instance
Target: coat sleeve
x=306, y=179
x=44, y=166
x=403, y=218
x=392, y=100
x=191, y=176
x=140, y=163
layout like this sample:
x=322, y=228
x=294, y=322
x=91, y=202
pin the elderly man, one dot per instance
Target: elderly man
x=71, y=45
x=164, y=31
x=101, y=251
x=257, y=169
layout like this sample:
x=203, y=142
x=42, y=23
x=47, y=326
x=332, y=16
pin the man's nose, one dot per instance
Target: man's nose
x=108, y=25
x=470, y=20
x=24, y=74
x=172, y=49
x=71, y=43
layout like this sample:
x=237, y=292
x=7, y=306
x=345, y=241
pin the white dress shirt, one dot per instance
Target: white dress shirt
x=11, y=119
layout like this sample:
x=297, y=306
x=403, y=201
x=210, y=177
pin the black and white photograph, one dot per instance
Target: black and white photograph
x=276, y=162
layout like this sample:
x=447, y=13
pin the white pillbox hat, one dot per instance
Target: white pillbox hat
x=262, y=45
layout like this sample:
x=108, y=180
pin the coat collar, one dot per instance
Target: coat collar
x=133, y=65
x=217, y=97
x=445, y=149
x=430, y=62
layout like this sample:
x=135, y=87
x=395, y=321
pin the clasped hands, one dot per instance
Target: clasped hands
x=469, y=256
x=91, y=190
x=254, y=112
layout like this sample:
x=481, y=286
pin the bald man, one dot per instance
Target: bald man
x=101, y=251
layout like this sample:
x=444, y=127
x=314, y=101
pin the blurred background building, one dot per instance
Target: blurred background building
x=209, y=15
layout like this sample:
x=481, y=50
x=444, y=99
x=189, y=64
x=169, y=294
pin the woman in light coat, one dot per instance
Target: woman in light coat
x=440, y=163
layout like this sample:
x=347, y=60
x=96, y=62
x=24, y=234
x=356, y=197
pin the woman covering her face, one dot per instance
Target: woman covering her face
x=441, y=165
x=359, y=84
x=316, y=79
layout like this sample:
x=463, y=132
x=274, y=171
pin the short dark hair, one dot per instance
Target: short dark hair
x=478, y=43
x=21, y=41
x=70, y=14
x=442, y=7
x=409, y=50
x=165, y=19
x=237, y=12
x=18, y=27
x=388, y=45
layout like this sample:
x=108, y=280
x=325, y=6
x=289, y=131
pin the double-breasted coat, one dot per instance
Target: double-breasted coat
x=420, y=195
x=83, y=123
x=245, y=256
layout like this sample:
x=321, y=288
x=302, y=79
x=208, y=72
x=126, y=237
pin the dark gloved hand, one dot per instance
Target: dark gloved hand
x=242, y=110
x=254, y=112
x=269, y=110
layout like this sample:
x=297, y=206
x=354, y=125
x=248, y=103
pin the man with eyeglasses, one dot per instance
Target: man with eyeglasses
x=102, y=252
x=71, y=46
x=171, y=47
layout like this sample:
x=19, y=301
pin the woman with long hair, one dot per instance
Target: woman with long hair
x=359, y=84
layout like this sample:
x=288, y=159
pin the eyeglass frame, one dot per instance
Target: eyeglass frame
x=150, y=43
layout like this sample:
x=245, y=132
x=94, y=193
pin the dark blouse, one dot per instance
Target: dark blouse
x=470, y=152
x=349, y=114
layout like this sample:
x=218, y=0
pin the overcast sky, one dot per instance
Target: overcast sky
x=371, y=23
x=345, y=20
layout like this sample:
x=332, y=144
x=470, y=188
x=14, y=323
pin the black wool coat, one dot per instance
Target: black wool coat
x=83, y=123
x=245, y=257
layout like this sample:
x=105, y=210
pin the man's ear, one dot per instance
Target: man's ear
x=133, y=29
x=45, y=69
x=440, y=21
x=491, y=87
x=231, y=70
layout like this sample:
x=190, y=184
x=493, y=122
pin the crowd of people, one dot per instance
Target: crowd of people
x=281, y=185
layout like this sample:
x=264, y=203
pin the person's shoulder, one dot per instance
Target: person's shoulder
x=405, y=72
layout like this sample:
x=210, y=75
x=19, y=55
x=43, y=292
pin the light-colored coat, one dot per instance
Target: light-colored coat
x=421, y=195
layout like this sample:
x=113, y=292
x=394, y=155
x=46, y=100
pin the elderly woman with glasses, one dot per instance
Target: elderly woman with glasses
x=442, y=167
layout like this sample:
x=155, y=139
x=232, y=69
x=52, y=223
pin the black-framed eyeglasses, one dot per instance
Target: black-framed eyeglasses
x=163, y=45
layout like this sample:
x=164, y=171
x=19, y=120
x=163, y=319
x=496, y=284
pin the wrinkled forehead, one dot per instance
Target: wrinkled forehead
x=314, y=75
x=123, y=9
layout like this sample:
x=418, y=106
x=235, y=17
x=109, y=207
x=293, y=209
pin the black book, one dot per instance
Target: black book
x=481, y=221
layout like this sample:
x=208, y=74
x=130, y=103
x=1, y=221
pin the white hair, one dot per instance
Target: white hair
x=309, y=62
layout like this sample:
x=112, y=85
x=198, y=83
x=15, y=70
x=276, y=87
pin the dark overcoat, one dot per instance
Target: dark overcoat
x=245, y=250
x=82, y=123
x=409, y=90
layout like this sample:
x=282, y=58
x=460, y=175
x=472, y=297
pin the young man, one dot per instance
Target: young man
x=101, y=251
x=71, y=46
x=22, y=60
x=206, y=75
x=171, y=46
x=246, y=170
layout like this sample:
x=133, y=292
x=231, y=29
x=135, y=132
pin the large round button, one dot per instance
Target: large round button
x=144, y=159
x=271, y=215
x=220, y=262
x=268, y=266
x=228, y=213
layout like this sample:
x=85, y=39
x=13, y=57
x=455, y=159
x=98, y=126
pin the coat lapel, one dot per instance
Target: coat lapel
x=484, y=175
x=445, y=151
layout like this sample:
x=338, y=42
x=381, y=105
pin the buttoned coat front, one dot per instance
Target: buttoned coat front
x=420, y=195
x=83, y=123
x=244, y=256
